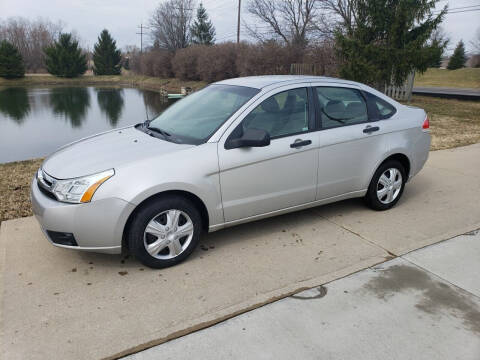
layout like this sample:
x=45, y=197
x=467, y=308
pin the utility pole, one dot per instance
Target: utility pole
x=238, y=21
x=141, y=37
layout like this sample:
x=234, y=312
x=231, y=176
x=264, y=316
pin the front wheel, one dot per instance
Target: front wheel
x=164, y=232
x=386, y=186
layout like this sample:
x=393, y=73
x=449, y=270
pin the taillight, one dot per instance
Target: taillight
x=426, y=123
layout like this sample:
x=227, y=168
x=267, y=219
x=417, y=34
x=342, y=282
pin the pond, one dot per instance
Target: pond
x=35, y=121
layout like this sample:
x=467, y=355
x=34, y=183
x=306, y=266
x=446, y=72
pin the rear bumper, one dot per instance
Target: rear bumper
x=97, y=226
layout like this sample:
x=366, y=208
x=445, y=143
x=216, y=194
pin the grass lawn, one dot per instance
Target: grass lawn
x=461, y=78
x=452, y=122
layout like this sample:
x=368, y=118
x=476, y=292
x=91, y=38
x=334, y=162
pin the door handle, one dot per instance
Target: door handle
x=369, y=129
x=299, y=143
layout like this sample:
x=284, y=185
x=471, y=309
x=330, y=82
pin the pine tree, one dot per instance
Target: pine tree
x=11, y=62
x=458, y=59
x=106, y=57
x=389, y=41
x=202, y=31
x=64, y=58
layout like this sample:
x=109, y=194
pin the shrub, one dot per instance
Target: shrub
x=184, y=63
x=227, y=60
x=64, y=58
x=217, y=62
x=266, y=58
x=11, y=62
x=323, y=56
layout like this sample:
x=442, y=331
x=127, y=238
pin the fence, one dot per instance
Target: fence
x=403, y=92
x=303, y=69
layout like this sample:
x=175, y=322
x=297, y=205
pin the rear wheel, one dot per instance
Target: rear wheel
x=386, y=186
x=165, y=232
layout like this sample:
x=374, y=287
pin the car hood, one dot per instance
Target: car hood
x=106, y=151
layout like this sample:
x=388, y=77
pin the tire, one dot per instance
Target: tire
x=384, y=193
x=163, y=226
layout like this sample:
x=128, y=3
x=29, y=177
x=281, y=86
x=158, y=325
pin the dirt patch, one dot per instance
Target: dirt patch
x=436, y=296
x=15, y=179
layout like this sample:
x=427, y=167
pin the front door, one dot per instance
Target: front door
x=258, y=180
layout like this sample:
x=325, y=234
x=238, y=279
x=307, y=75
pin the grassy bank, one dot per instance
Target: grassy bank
x=138, y=81
x=461, y=78
x=453, y=123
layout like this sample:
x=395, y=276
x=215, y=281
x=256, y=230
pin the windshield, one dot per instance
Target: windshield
x=196, y=117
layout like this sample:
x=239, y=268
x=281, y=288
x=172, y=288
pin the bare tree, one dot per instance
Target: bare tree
x=345, y=12
x=170, y=24
x=293, y=21
x=475, y=43
x=30, y=38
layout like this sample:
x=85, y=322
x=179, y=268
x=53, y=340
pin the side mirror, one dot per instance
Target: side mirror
x=250, y=138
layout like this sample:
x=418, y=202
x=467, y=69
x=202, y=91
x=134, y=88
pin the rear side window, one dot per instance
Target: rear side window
x=379, y=108
x=341, y=107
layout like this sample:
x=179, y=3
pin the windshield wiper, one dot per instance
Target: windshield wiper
x=158, y=130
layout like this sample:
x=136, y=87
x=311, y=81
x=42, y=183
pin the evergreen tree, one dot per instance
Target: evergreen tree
x=388, y=41
x=64, y=58
x=202, y=31
x=458, y=59
x=11, y=62
x=106, y=57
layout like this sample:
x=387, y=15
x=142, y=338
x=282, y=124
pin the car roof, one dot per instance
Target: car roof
x=260, y=82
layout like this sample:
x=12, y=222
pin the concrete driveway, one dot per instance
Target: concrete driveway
x=60, y=304
x=424, y=305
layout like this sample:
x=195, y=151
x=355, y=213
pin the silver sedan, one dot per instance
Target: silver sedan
x=238, y=150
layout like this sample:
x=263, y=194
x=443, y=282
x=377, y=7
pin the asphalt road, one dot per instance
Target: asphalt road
x=445, y=92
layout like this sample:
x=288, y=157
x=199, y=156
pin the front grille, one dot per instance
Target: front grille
x=45, y=191
x=46, y=183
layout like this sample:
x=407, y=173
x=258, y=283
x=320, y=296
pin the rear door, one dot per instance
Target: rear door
x=351, y=143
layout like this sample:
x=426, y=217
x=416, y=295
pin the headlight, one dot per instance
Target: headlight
x=80, y=190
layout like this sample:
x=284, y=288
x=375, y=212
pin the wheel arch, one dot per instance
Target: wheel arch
x=400, y=157
x=198, y=203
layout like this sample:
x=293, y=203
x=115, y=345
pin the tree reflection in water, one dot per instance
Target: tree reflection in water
x=110, y=101
x=71, y=102
x=14, y=103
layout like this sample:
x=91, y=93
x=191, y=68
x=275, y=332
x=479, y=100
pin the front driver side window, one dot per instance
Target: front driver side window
x=285, y=113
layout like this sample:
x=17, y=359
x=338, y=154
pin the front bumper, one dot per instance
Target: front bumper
x=97, y=226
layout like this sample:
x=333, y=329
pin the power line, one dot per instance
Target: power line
x=459, y=9
x=238, y=21
x=141, y=36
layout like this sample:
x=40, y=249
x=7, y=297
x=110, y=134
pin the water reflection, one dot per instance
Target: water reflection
x=14, y=103
x=29, y=116
x=155, y=104
x=111, y=103
x=70, y=102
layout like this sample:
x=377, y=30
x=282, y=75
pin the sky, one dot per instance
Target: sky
x=123, y=17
